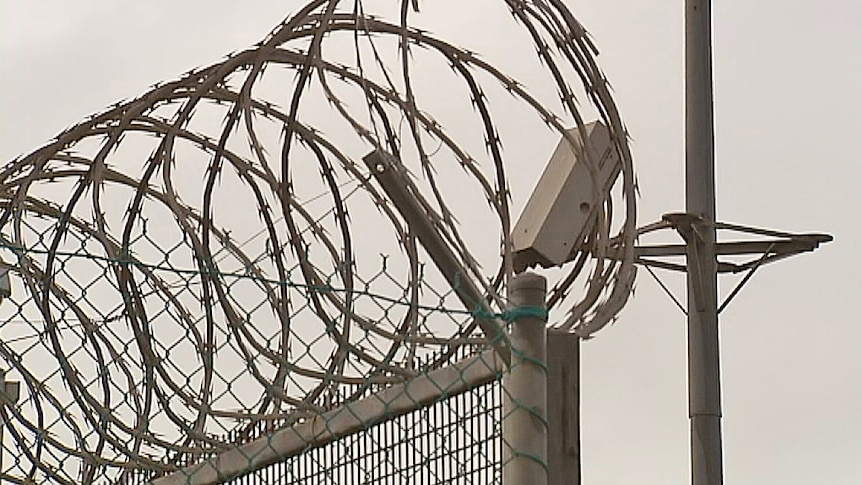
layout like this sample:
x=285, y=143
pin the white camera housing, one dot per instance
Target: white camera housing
x=561, y=210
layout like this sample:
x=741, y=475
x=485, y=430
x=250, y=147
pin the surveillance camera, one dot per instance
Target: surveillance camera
x=561, y=211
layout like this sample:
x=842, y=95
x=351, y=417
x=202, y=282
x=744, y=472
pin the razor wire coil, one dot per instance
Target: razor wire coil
x=163, y=334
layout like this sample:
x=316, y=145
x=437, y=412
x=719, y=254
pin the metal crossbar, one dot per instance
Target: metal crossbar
x=441, y=428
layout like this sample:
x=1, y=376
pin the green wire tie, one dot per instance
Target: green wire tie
x=515, y=313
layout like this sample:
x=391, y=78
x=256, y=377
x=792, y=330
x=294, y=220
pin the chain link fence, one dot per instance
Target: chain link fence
x=104, y=401
x=455, y=439
x=105, y=396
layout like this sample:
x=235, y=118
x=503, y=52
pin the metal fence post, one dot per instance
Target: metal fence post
x=2, y=421
x=564, y=420
x=11, y=391
x=525, y=425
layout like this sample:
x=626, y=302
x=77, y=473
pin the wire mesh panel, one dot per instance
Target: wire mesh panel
x=223, y=268
x=95, y=379
x=456, y=440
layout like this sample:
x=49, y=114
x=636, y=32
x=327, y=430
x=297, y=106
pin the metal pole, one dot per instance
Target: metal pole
x=703, y=355
x=11, y=391
x=2, y=421
x=564, y=423
x=525, y=425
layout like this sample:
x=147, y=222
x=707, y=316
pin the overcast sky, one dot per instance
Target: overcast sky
x=789, y=157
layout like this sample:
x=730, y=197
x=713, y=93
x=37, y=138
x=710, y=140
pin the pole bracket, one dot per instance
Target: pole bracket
x=763, y=246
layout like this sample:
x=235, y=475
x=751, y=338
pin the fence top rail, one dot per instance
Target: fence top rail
x=352, y=417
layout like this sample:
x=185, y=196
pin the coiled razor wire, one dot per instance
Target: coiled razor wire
x=212, y=259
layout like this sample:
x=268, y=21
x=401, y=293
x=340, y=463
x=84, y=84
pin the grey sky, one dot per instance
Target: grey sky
x=788, y=123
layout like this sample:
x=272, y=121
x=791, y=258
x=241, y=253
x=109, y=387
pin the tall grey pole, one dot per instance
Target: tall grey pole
x=703, y=356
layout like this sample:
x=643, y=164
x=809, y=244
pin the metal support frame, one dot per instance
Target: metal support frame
x=745, y=279
x=525, y=408
x=777, y=246
x=564, y=420
x=391, y=175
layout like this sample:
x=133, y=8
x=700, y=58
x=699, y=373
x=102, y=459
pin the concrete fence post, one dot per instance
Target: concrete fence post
x=525, y=424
